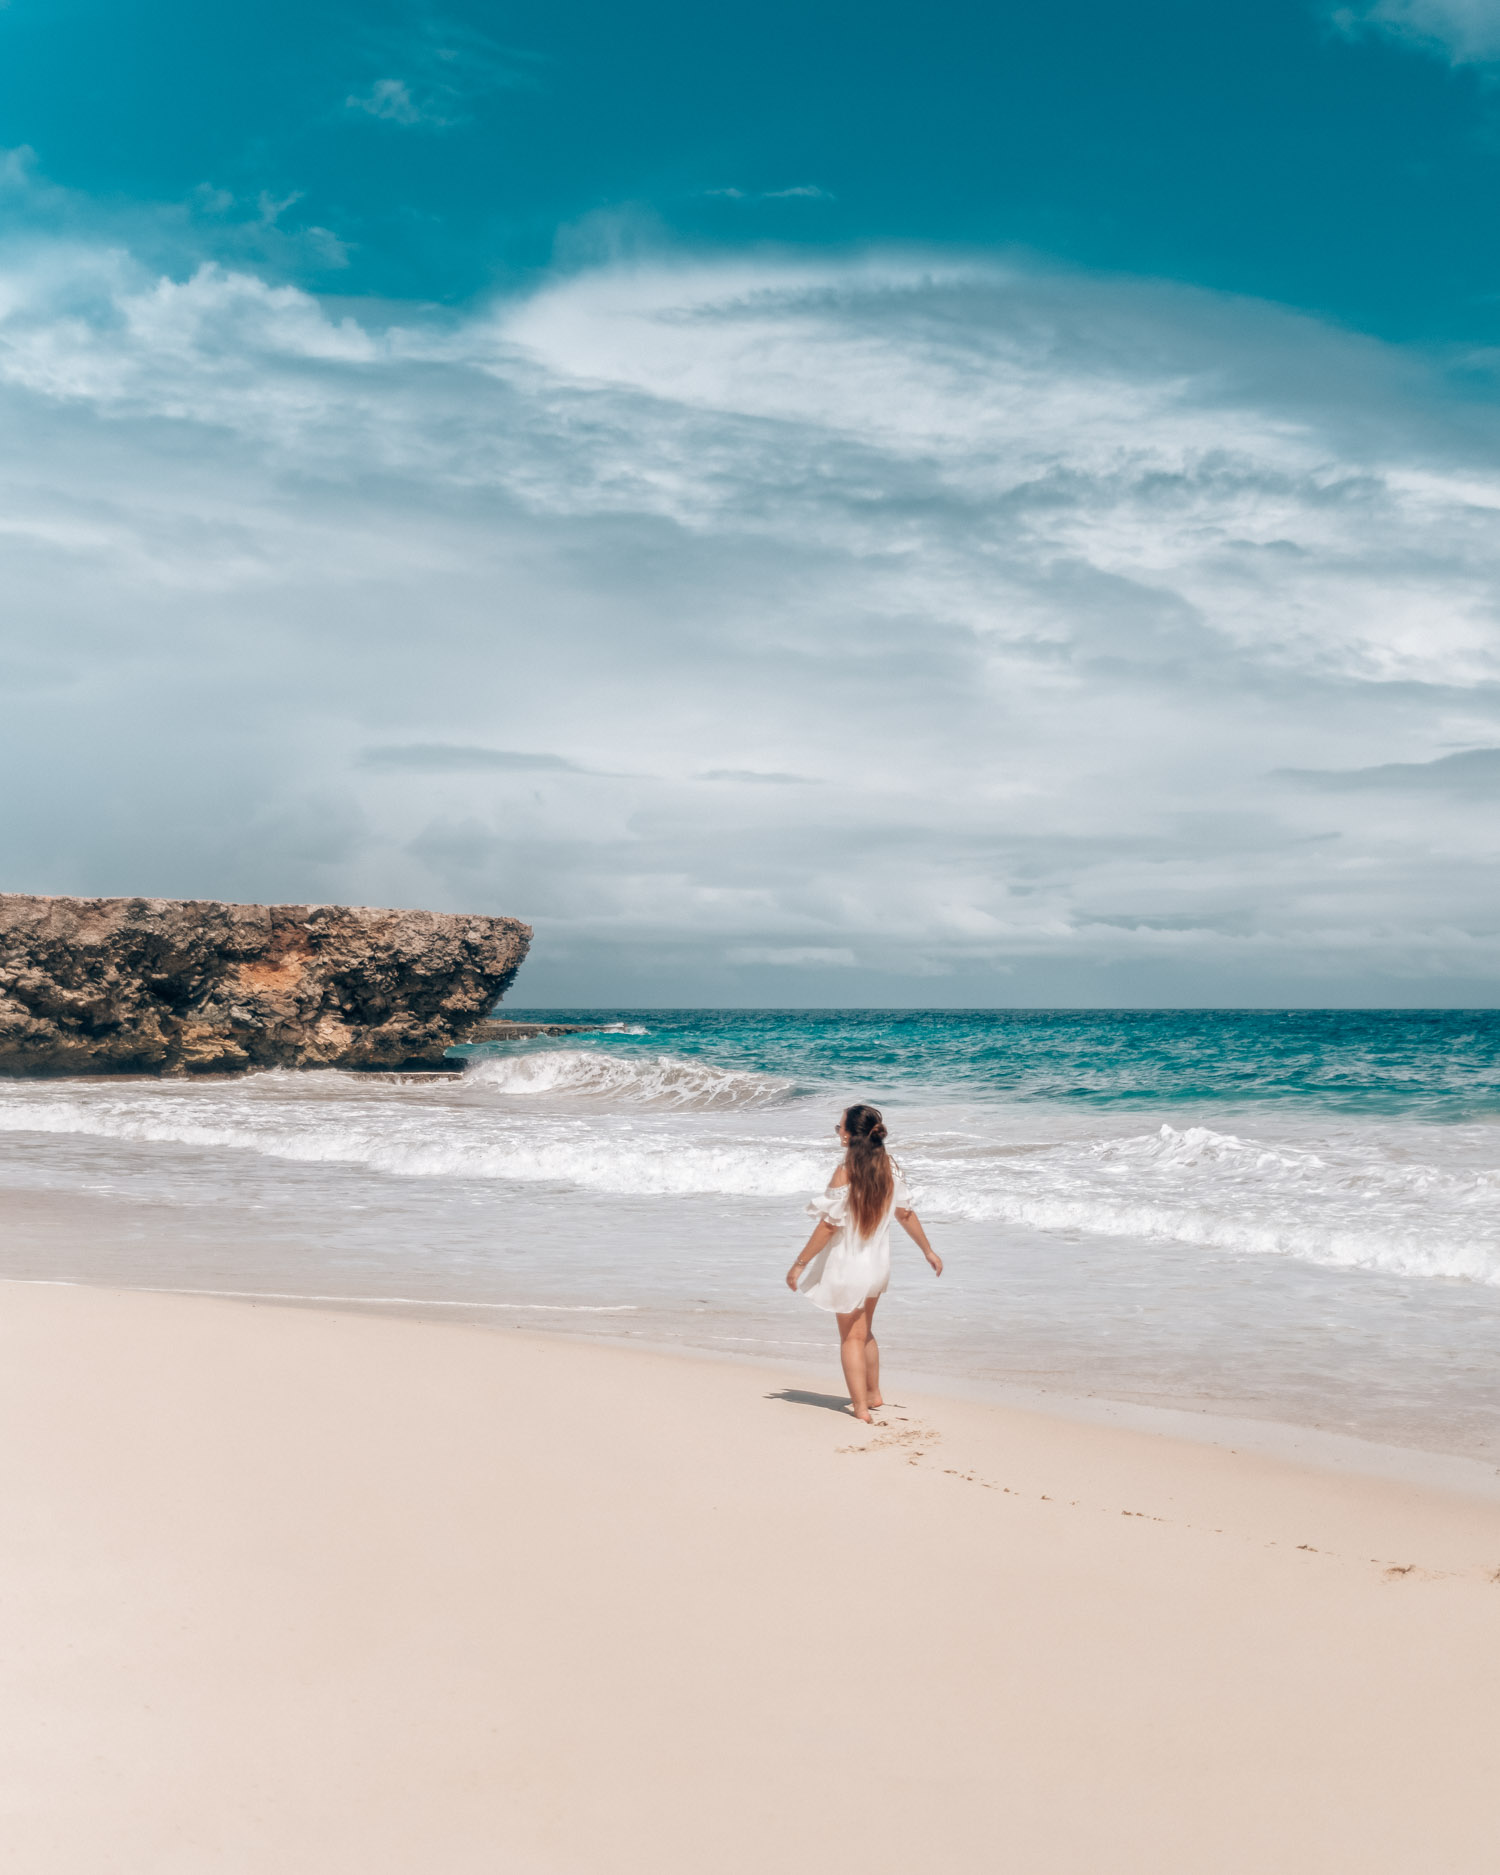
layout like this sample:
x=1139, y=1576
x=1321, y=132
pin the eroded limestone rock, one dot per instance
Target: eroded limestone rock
x=174, y=986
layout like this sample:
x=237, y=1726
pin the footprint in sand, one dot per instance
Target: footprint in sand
x=893, y=1436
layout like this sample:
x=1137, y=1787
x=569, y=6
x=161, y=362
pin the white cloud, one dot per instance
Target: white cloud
x=794, y=956
x=451, y=67
x=1042, y=579
x=808, y=191
x=1466, y=32
x=757, y=775
x=448, y=758
x=43, y=219
x=390, y=99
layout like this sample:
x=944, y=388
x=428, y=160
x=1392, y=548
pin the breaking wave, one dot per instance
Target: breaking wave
x=668, y=1126
x=634, y=1080
x=1346, y=1207
x=639, y=1159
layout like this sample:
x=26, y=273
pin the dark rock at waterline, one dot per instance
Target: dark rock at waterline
x=192, y=986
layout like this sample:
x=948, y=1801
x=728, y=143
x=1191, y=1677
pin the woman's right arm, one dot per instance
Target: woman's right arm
x=912, y=1225
x=821, y=1235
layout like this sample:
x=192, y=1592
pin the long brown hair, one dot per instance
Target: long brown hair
x=870, y=1178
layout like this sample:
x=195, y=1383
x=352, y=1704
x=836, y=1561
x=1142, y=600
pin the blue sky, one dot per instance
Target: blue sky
x=817, y=504
x=1278, y=149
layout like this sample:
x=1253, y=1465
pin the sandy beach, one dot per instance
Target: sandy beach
x=305, y=1590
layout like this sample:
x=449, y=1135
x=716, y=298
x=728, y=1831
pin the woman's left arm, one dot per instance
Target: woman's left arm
x=822, y=1234
x=912, y=1225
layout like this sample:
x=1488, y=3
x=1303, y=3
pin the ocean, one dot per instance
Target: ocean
x=1286, y=1216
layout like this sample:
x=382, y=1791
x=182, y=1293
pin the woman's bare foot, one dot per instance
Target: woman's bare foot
x=877, y=1401
x=858, y=1414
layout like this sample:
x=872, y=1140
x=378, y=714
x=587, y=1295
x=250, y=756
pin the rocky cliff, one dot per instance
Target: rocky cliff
x=169, y=986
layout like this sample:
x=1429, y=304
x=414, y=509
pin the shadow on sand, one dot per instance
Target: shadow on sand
x=798, y=1396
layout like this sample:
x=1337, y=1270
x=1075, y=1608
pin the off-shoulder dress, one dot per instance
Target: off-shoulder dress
x=849, y=1269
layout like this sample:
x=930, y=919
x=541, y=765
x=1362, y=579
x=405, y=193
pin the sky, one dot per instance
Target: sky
x=816, y=505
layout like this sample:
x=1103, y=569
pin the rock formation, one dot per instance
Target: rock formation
x=169, y=986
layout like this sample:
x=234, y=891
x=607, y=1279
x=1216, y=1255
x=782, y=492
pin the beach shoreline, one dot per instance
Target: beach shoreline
x=1312, y=1447
x=316, y=1588
x=1292, y=1259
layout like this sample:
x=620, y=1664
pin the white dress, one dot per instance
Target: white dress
x=849, y=1269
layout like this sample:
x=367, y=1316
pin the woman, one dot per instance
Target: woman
x=846, y=1264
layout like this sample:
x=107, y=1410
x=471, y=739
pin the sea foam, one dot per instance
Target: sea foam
x=1345, y=1205
x=635, y=1080
x=403, y=1139
x=1374, y=1197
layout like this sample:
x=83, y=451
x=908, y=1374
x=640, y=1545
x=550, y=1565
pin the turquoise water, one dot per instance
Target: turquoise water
x=1439, y=1064
x=1294, y=1216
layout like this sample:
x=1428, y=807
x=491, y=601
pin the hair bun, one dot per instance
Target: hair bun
x=864, y=1125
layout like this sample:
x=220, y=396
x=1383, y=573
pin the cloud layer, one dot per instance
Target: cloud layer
x=1037, y=596
x=1467, y=32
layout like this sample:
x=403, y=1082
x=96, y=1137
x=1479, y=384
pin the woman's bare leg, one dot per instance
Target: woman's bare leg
x=872, y=1357
x=852, y=1332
